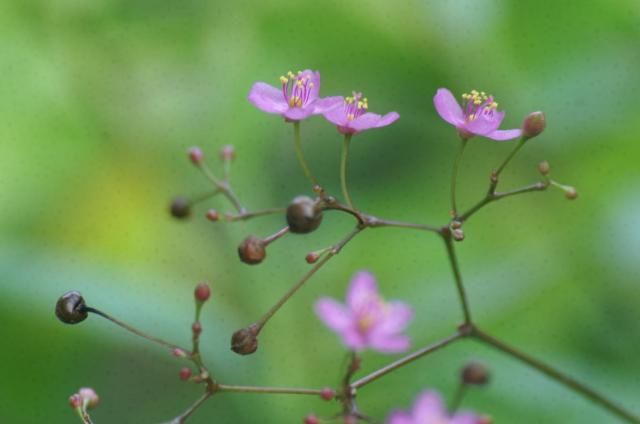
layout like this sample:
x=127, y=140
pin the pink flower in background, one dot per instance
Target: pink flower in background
x=479, y=117
x=428, y=408
x=353, y=117
x=296, y=100
x=367, y=320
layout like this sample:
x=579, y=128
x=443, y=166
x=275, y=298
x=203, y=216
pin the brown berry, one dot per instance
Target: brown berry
x=303, y=215
x=180, y=208
x=475, y=373
x=252, y=250
x=71, y=308
x=245, y=340
x=213, y=215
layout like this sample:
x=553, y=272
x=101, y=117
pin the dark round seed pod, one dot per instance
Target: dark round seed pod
x=303, y=215
x=180, y=208
x=475, y=373
x=252, y=250
x=245, y=340
x=71, y=308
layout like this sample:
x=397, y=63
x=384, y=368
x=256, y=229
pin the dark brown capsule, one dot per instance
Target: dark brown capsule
x=245, y=340
x=180, y=208
x=252, y=250
x=303, y=215
x=71, y=308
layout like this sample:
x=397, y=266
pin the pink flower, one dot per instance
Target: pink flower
x=367, y=320
x=480, y=115
x=296, y=100
x=428, y=408
x=353, y=117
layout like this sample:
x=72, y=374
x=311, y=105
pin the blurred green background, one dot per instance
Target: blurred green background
x=99, y=101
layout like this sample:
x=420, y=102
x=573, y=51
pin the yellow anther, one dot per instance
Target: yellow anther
x=482, y=93
x=477, y=101
x=299, y=102
x=494, y=105
x=292, y=101
x=290, y=74
x=283, y=79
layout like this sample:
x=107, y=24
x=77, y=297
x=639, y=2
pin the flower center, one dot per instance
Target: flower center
x=478, y=102
x=371, y=312
x=296, y=89
x=355, y=106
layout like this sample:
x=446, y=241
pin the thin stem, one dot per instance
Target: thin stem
x=252, y=214
x=454, y=175
x=493, y=196
x=223, y=187
x=268, y=390
x=458, y=278
x=84, y=416
x=134, y=330
x=457, y=397
x=343, y=169
x=506, y=161
x=180, y=419
x=374, y=222
x=334, y=251
x=275, y=236
x=406, y=360
x=559, y=376
x=299, y=153
x=203, y=196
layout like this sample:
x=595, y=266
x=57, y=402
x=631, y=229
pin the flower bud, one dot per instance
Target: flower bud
x=75, y=401
x=196, y=327
x=89, y=396
x=475, y=374
x=185, y=373
x=533, y=125
x=227, y=153
x=485, y=419
x=71, y=308
x=213, y=215
x=312, y=257
x=571, y=193
x=252, y=250
x=202, y=292
x=196, y=155
x=303, y=216
x=245, y=340
x=327, y=393
x=544, y=168
x=311, y=419
x=180, y=208
x=458, y=234
x=179, y=353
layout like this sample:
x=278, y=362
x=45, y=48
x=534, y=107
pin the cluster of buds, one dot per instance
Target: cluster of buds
x=85, y=399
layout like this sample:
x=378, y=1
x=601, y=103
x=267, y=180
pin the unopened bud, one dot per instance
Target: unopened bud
x=196, y=155
x=312, y=257
x=571, y=193
x=252, y=250
x=303, y=215
x=71, y=308
x=180, y=208
x=202, y=292
x=327, y=393
x=89, y=396
x=245, y=340
x=485, y=419
x=228, y=153
x=457, y=234
x=213, y=215
x=179, y=353
x=544, y=168
x=475, y=373
x=311, y=419
x=533, y=125
x=185, y=373
x=75, y=401
x=350, y=419
x=196, y=327
x=456, y=224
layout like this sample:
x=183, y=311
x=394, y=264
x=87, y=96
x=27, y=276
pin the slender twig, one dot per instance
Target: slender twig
x=462, y=294
x=134, y=330
x=407, y=360
x=457, y=397
x=374, y=222
x=252, y=214
x=454, y=175
x=180, y=419
x=297, y=141
x=343, y=170
x=506, y=161
x=275, y=236
x=268, y=390
x=558, y=376
x=492, y=196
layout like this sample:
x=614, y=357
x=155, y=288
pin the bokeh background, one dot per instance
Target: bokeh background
x=99, y=101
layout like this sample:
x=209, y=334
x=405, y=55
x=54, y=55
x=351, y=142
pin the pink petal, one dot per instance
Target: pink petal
x=484, y=123
x=362, y=288
x=388, y=119
x=429, y=408
x=333, y=314
x=373, y=120
x=336, y=115
x=298, y=114
x=353, y=339
x=315, y=79
x=326, y=104
x=396, y=319
x=447, y=107
x=400, y=417
x=464, y=418
x=389, y=344
x=267, y=98
x=503, y=135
